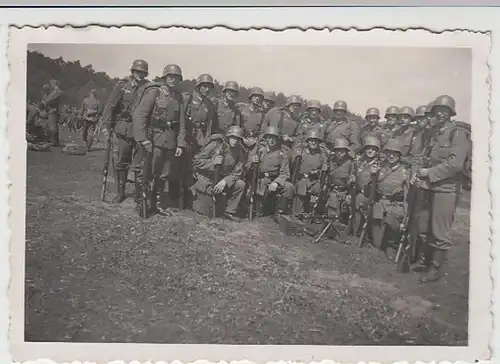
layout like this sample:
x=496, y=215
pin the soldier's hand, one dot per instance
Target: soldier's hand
x=348, y=199
x=178, y=152
x=423, y=172
x=324, y=168
x=273, y=186
x=255, y=158
x=218, y=160
x=375, y=168
x=352, y=178
x=106, y=133
x=219, y=187
x=147, y=145
x=401, y=226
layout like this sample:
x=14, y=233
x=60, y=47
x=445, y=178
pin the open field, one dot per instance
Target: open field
x=98, y=273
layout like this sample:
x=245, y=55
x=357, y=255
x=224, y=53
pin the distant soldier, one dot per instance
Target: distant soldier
x=368, y=159
x=52, y=104
x=268, y=102
x=228, y=153
x=286, y=120
x=341, y=127
x=404, y=134
x=339, y=171
x=390, y=200
x=371, y=126
x=117, y=118
x=312, y=120
x=391, y=123
x=227, y=111
x=420, y=135
x=252, y=116
x=314, y=160
x=32, y=113
x=160, y=127
x=201, y=115
x=274, y=172
x=90, y=111
x=449, y=149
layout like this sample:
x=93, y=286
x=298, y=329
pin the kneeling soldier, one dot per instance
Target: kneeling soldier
x=274, y=172
x=390, y=206
x=313, y=160
x=340, y=170
x=227, y=156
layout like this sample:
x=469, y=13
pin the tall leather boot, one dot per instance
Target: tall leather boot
x=121, y=176
x=434, y=272
x=282, y=208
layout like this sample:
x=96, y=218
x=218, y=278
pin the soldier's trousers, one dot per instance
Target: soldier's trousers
x=87, y=124
x=234, y=193
x=387, y=217
x=304, y=190
x=124, y=149
x=440, y=219
x=335, y=201
x=53, y=126
x=286, y=191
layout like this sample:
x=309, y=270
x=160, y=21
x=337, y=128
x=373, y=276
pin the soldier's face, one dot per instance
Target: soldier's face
x=139, y=75
x=372, y=119
x=230, y=95
x=392, y=119
x=267, y=104
x=313, y=112
x=340, y=153
x=420, y=121
x=392, y=156
x=339, y=114
x=294, y=109
x=313, y=143
x=441, y=113
x=205, y=89
x=233, y=141
x=371, y=152
x=405, y=120
x=271, y=140
x=172, y=81
x=256, y=99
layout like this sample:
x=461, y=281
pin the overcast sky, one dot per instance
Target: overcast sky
x=363, y=76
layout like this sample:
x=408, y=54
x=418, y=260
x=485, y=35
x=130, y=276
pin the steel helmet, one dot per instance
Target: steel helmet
x=231, y=85
x=293, y=100
x=371, y=141
x=269, y=97
x=373, y=111
x=204, y=78
x=140, y=65
x=392, y=110
x=314, y=104
x=447, y=101
x=313, y=134
x=340, y=105
x=407, y=110
x=341, y=144
x=272, y=130
x=421, y=110
x=172, y=69
x=235, y=131
x=255, y=91
x=393, y=145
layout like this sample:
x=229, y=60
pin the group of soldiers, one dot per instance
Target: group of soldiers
x=396, y=184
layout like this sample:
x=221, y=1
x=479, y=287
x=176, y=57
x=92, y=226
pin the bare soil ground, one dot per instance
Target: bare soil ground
x=98, y=273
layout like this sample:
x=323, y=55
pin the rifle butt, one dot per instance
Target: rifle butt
x=362, y=237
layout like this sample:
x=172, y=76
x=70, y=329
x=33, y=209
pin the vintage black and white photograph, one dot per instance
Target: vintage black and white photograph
x=251, y=194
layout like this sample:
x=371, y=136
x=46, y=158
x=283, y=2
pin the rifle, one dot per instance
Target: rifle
x=105, y=168
x=216, y=178
x=297, y=162
x=353, y=192
x=371, y=201
x=323, y=188
x=253, y=186
x=326, y=228
x=146, y=176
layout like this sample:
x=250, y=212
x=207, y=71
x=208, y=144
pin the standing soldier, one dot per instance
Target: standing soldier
x=341, y=127
x=286, y=120
x=52, y=104
x=274, y=172
x=227, y=112
x=91, y=108
x=159, y=126
x=404, y=134
x=389, y=209
x=201, y=115
x=419, y=136
x=117, y=118
x=312, y=119
x=340, y=171
x=448, y=152
x=314, y=160
x=371, y=126
x=368, y=159
x=391, y=122
x=252, y=115
x=268, y=102
x=228, y=154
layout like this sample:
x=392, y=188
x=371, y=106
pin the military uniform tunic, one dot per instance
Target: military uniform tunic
x=307, y=125
x=338, y=178
x=228, y=115
x=201, y=120
x=286, y=124
x=52, y=104
x=405, y=137
x=363, y=178
x=344, y=129
x=251, y=119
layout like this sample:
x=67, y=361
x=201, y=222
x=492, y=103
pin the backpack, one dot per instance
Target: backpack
x=466, y=173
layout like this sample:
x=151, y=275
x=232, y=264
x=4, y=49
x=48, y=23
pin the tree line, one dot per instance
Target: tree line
x=77, y=80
